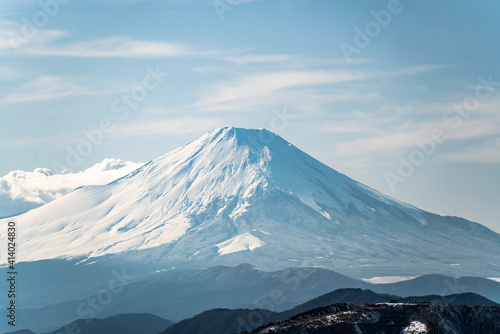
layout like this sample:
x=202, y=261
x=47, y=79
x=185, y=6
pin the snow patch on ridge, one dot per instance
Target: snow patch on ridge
x=387, y=279
x=415, y=327
x=242, y=242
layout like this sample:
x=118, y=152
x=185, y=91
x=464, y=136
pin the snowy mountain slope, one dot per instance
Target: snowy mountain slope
x=237, y=195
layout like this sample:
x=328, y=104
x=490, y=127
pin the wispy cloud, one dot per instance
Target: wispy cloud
x=485, y=152
x=400, y=131
x=54, y=43
x=118, y=46
x=44, y=88
x=8, y=73
x=256, y=58
x=168, y=126
x=13, y=41
x=255, y=88
x=408, y=134
x=265, y=84
x=28, y=141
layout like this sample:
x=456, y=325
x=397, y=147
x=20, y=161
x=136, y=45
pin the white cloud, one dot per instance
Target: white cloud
x=21, y=191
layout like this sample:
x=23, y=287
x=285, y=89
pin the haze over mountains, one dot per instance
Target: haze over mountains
x=225, y=321
x=182, y=293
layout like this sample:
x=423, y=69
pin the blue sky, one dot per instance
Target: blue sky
x=356, y=85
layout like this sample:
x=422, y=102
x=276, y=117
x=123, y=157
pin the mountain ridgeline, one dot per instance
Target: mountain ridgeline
x=315, y=316
x=391, y=318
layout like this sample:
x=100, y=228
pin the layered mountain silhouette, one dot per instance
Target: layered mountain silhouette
x=120, y=324
x=183, y=293
x=226, y=321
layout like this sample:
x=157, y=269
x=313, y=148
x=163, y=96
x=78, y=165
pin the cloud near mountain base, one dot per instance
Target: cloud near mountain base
x=21, y=191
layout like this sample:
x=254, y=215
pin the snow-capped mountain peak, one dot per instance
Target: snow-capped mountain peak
x=237, y=195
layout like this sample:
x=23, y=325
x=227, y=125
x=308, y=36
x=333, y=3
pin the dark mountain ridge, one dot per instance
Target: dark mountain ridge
x=225, y=321
x=391, y=318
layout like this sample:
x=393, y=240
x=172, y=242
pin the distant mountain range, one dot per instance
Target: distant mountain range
x=179, y=294
x=361, y=297
x=120, y=324
x=226, y=321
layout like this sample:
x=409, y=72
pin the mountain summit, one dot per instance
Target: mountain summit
x=236, y=195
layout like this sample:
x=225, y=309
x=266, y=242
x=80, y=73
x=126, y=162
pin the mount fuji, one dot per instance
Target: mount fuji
x=248, y=196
